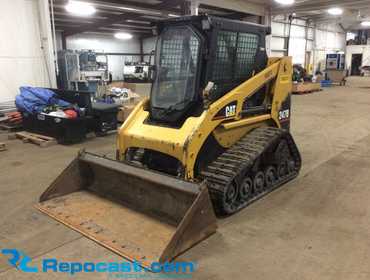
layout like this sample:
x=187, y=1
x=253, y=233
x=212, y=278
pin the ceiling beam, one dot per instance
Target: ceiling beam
x=121, y=18
x=110, y=33
x=64, y=18
x=99, y=11
x=101, y=23
x=118, y=29
x=72, y=20
x=170, y=6
x=137, y=26
x=243, y=6
x=124, y=5
x=67, y=15
x=307, y=6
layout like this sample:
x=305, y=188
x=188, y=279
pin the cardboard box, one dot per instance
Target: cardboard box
x=337, y=76
x=319, y=78
x=133, y=98
x=143, y=89
x=137, y=91
x=124, y=112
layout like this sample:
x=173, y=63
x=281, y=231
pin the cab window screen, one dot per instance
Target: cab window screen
x=178, y=56
x=234, y=61
x=223, y=66
x=245, y=55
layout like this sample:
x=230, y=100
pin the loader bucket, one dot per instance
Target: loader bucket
x=139, y=214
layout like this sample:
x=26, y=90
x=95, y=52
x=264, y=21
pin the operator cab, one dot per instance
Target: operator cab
x=194, y=50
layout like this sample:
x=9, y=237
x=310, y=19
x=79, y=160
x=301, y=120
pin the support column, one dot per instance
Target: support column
x=64, y=41
x=267, y=20
x=290, y=18
x=185, y=8
x=46, y=38
x=194, y=7
x=141, y=49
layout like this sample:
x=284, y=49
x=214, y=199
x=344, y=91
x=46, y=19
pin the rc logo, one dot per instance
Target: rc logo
x=19, y=260
x=125, y=270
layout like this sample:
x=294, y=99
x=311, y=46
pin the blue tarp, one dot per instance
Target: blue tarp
x=33, y=100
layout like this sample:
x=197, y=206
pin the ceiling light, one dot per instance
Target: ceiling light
x=335, y=11
x=129, y=9
x=123, y=36
x=285, y=2
x=80, y=8
x=365, y=23
x=138, y=21
x=173, y=15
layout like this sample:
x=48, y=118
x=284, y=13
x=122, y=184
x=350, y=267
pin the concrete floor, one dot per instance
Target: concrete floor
x=316, y=227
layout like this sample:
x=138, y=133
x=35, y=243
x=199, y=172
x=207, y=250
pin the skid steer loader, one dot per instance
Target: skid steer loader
x=212, y=138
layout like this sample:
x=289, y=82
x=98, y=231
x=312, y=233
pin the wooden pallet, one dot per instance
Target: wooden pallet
x=38, y=139
x=306, y=88
x=2, y=147
x=306, y=91
x=10, y=128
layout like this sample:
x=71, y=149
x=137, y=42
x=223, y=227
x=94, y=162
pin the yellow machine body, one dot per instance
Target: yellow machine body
x=184, y=143
x=182, y=158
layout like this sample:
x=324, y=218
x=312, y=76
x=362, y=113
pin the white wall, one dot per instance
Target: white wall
x=148, y=47
x=22, y=61
x=149, y=44
x=357, y=49
x=329, y=39
x=320, y=40
x=105, y=43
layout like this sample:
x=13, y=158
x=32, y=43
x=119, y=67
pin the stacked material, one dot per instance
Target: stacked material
x=120, y=96
x=44, y=101
x=14, y=118
x=127, y=106
x=11, y=121
x=7, y=107
x=304, y=88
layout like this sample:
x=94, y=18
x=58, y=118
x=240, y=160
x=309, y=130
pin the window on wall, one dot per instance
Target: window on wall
x=235, y=60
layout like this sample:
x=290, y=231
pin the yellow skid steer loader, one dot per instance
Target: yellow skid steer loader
x=212, y=138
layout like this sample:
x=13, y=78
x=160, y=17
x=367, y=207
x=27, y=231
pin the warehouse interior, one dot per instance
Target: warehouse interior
x=83, y=121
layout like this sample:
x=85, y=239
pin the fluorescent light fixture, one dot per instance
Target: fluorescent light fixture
x=365, y=23
x=138, y=21
x=335, y=11
x=129, y=9
x=285, y=2
x=80, y=8
x=173, y=15
x=123, y=36
x=83, y=41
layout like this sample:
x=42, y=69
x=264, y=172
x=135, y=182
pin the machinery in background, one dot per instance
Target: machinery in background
x=336, y=68
x=300, y=74
x=82, y=70
x=336, y=61
x=136, y=72
x=365, y=71
x=304, y=83
x=215, y=132
x=138, y=68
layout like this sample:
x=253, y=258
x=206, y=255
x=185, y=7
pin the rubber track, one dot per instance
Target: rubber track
x=234, y=163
